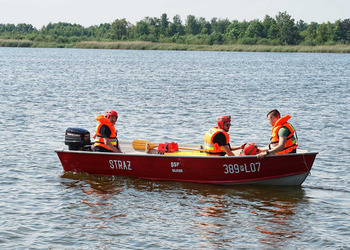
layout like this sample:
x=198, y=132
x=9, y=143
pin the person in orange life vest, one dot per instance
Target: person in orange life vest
x=105, y=133
x=217, y=139
x=283, y=140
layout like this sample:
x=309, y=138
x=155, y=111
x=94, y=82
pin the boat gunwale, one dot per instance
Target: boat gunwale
x=177, y=156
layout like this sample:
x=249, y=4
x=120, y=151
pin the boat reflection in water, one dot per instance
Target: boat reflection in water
x=243, y=211
x=218, y=216
x=95, y=194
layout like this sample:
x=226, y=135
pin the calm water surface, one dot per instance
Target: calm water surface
x=162, y=96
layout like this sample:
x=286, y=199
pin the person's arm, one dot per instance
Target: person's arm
x=263, y=149
x=118, y=146
x=110, y=145
x=279, y=148
x=228, y=150
x=238, y=147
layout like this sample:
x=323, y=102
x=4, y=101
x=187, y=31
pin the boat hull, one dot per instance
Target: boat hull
x=291, y=169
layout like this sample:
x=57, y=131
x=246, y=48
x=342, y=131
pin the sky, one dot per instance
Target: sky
x=91, y=12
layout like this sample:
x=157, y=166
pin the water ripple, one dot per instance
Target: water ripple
x=162, y=96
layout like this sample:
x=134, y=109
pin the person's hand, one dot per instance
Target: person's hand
x=243, y=145
x=261, y=155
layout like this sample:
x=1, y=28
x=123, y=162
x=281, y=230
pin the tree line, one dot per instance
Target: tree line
x=280, y=30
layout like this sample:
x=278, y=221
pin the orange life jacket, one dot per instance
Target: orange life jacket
x=212, y=148
x=291, y=142
x=99, y=140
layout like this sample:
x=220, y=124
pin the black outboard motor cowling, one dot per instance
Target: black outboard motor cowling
x=78, y=139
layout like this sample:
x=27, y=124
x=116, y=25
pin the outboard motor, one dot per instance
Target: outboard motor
x=78, y=139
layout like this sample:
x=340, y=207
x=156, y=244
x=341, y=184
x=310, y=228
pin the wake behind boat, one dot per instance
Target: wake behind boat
x=185, y=165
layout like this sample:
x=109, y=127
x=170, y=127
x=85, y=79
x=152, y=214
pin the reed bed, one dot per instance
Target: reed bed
x=15, y=43
x=234, y=47
x=138, y=45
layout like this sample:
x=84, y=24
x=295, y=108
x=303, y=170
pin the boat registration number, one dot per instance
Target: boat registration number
x=244, y=168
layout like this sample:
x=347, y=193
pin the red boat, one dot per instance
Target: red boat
x=190, y=165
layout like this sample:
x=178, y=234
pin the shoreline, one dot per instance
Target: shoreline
x=139, y=45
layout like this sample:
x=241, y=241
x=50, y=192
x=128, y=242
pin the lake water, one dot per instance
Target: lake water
x=170, y=96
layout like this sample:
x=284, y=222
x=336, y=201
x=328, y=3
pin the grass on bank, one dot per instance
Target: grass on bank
x=31, y=44
x=138, y=45
x=234, y=47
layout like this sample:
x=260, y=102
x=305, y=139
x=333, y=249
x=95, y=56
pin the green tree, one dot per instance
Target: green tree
x=119, y=28
x=101, y=32
x=142, y=28
x=269, y=27
x=341, y=33
x=272, y=32
x=164, y=24
x=220, y=25
x=23, y=28
x=312, y=30
x=216, y=38
x=255, y=29
x=5, y=28
x=301, y=25
x=287, y=30
x=235, y=31
x=338, y=31
x=154, y=28
x=176, y=27
x=322, y=34
x=206, y=27
x=193, y=27
x=232, y=32
x=346, y=30
x=281, y=30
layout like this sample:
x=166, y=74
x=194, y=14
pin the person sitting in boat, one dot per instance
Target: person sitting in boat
x=105, y=133
x=217, y=139
x=283, y=140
